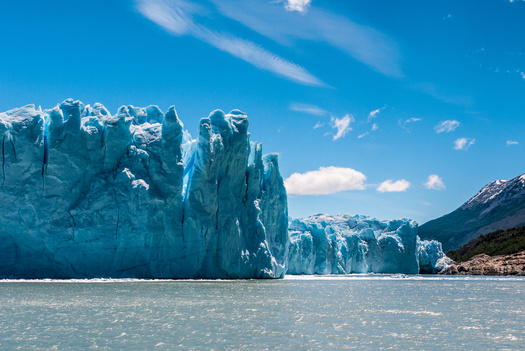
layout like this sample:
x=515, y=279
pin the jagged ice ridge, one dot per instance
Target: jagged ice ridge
x=87, y=194
x=343, y=244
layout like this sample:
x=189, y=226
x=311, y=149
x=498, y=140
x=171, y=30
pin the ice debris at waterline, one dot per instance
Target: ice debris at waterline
x=87, y=194
x=341, y=244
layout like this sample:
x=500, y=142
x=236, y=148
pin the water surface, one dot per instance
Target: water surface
x=302, y=313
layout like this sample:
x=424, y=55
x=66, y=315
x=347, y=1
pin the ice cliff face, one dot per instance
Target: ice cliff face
x=87, y=194
x=341, y=244
x=431, y=257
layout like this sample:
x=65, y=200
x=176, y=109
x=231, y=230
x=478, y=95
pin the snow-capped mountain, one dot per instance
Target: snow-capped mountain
x=498, y=193
x=498, y=205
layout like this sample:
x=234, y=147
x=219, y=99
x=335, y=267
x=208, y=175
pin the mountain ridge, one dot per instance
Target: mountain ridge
x=498, y=205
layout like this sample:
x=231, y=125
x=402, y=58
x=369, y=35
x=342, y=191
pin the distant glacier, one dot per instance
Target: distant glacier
x=344, y=244
x=88, y=194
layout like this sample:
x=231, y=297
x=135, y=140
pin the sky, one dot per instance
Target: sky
x=383, y=108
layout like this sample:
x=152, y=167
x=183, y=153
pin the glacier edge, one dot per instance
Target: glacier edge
x=87, y=194
x=344, y=244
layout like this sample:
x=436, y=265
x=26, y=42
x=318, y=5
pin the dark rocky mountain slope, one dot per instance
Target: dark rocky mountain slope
x=498, y=205
x=500, y=242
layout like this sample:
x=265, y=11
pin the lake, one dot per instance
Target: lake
x=359, y=312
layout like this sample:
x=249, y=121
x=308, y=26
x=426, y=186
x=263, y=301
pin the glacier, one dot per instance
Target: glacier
x=88, y=194
x=344, y=244
x=431, y=257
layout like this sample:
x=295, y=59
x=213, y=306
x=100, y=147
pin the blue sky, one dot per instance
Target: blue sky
x=384, y=108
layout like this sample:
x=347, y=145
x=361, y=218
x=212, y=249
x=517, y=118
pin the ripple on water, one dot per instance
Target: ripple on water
x=304, y=313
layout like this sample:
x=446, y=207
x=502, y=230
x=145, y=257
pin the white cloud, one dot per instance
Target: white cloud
x=318, y=125
x=447, y=126
x=306, y=108
x=326, y=180
x=259, y=57
x=373, y=129
x=520, y=73
x=434, y=182
x=404, y=124
x=391, y=186
x=342, y=125
x=512, y=142
x=463, y=143
x=374, y=113
x=297, y=5
x=361, y=42
x=176, y=18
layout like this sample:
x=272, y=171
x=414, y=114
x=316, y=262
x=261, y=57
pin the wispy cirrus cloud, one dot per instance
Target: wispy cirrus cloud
x=456, y=98
x=373, y=114
x=404, y=124
x=365, y=44
x=307, y=108
x=257, y=56
x=342, y=125
x=373, y=129
x=434, y=182
x=325, y=180
x=413, y=119
x=176, y=17
x=463, y=143
x=389, y=186
x=512, y=142
x=446, y=126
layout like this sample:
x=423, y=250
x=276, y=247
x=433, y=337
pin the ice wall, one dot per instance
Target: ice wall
x=431, y=257
x=87, y=194
x=342, y=244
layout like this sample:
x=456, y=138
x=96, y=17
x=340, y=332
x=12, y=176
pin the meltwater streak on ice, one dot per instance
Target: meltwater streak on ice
x=88, y=194
x=360, y=312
